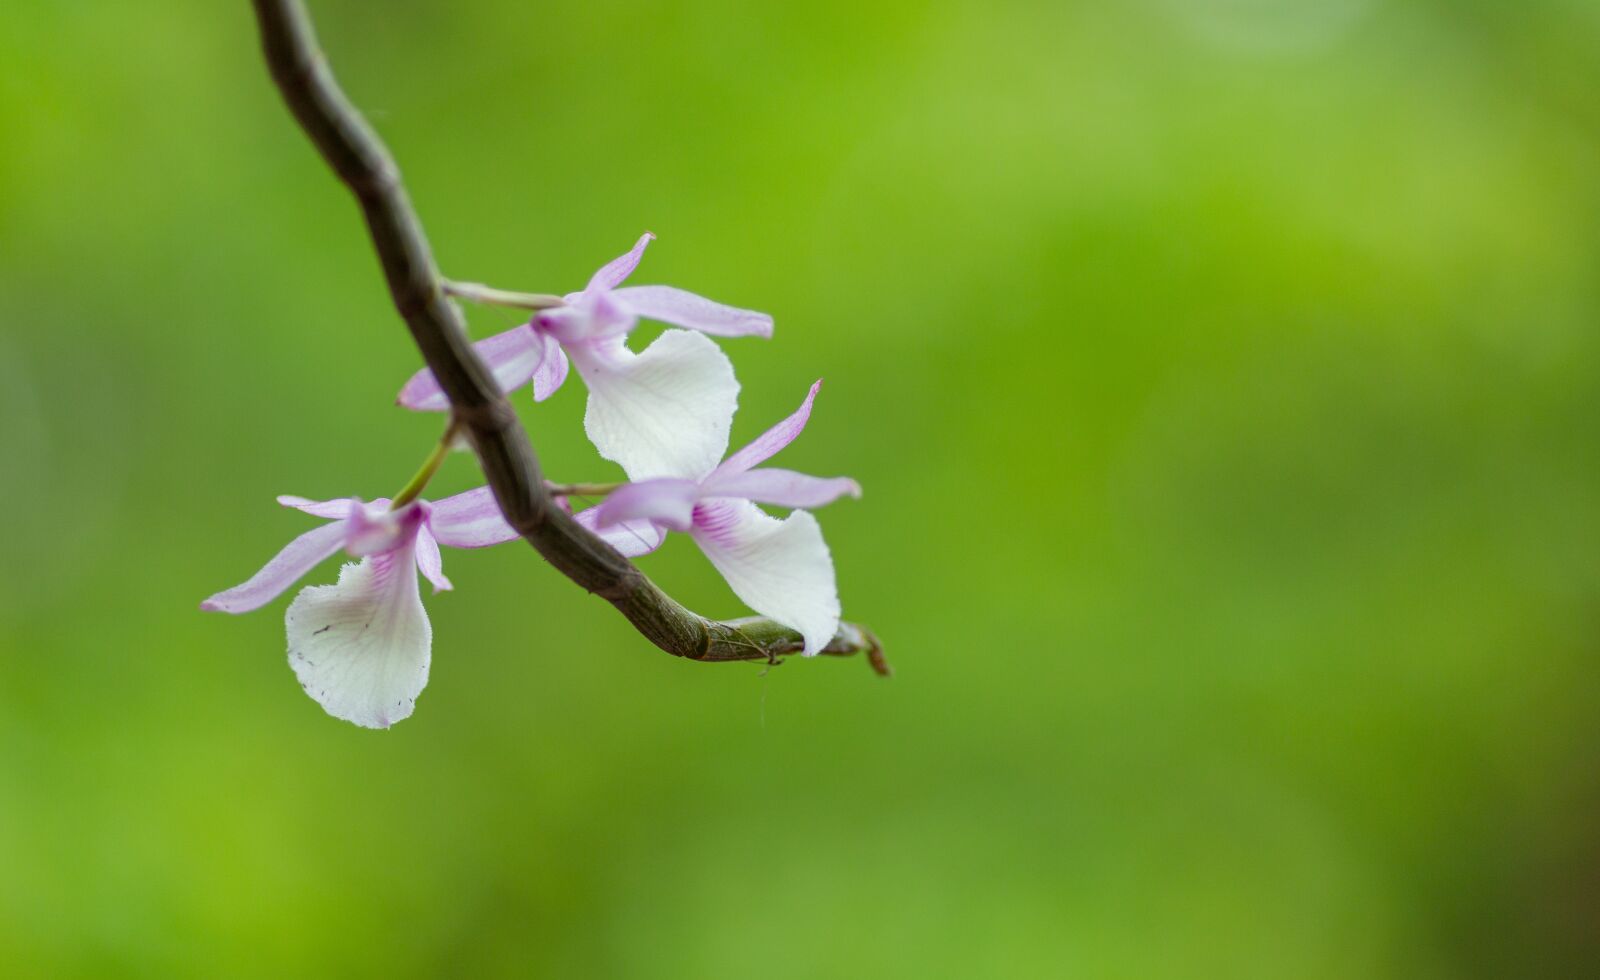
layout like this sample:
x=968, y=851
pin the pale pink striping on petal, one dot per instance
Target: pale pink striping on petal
x=330, y=509
x=614, y=273
x=685, y=309
x=632, y=538
x=296, y=559
x=429, y=561
x=669, y=502
x=470, y=520
x=779, y=568
x=552, y=372
x=513, y=357
x=774, y=439
x=785, y=488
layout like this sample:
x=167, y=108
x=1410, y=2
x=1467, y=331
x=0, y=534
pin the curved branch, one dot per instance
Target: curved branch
x=362, y=162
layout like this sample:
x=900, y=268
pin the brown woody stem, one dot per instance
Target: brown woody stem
x=363, y=164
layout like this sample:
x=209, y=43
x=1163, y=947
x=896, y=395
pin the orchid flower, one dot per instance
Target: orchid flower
x=663, y=411
x=779, y=568
x=361, y=648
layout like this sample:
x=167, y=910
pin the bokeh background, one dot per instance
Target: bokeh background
x=1224, y=376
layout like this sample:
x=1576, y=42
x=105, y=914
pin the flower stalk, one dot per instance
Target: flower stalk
x=477, y=292
x=580, y=489
x=412, y=490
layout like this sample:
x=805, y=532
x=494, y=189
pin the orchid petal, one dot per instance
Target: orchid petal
x=586, y=317
x=632, y=538
x=330, y=509
x=565, y=324
x=663, y=412
x=361, y=648
x=552, y=371
x=373, y=528
x=429, y=561
x=613, y=273
x=297, y=558
x=513, y=357
x=786, y=488
x=684, y=309
x=768, y=443
x=780, y=568
x=470, y=520
x=665, y=501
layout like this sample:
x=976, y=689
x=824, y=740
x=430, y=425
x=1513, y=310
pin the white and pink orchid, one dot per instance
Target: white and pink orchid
x=663, y=411
x=780, y=568
x=361, y=648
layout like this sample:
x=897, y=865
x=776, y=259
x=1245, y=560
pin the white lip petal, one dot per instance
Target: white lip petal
x=781, y=569
x=361, y=648
x=663, y=412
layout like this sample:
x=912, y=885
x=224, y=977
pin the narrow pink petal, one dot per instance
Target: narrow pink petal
x=632, y=538
x=513, y=356
x=552, y=372
x=429, y=562
x=297, y=558
x=667, y=501
x=470, y=520
x=781, y=569
x=774, y=439
x=613, y=273
x=330, y=509
x=785, y=488
x=422, y=394
x=685, y=309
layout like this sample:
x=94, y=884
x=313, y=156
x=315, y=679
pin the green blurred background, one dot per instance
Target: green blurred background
x=1225, y=382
